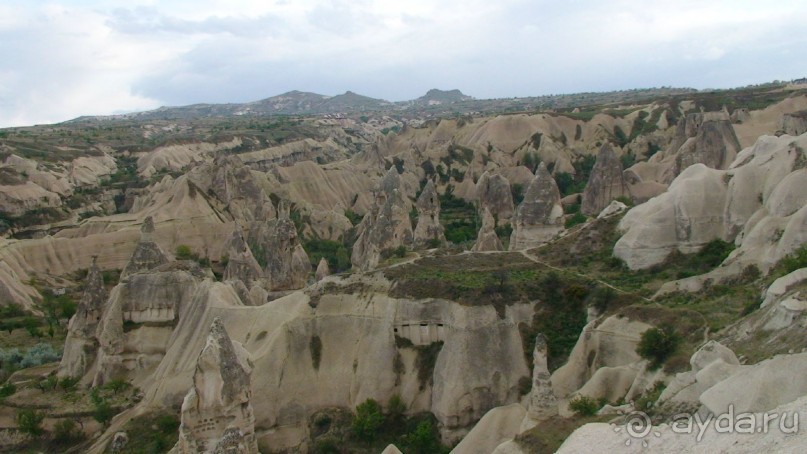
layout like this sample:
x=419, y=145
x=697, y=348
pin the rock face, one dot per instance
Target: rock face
x=705, y=138
x=148, y=254
x=606, y=182
x=217, y=412
x=322, y=269
x=542, y=401
x=493, y=192
x=241, y=263
x=386, y=226
x=794, y=124
x=762, y=192
x=428, y=228
x=486, y=239
x=81, y=344
x=539, y=216
x=287, y=264
x=235, y=186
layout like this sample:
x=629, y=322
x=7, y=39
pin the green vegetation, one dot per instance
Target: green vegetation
x=459, y=219
x=335, y=253
x=584, y=406
x=30, y=422
x=155, y=433
x=795, y=260
x=658, y=344
x=368, y=420
x=576, y=219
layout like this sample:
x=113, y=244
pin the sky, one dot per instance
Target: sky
x=63, y=59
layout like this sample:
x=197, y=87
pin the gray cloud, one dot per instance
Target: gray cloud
x=65, y=59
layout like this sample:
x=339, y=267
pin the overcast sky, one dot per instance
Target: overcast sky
x=62, y=59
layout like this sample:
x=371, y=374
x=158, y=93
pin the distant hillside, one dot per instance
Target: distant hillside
x=437, y=97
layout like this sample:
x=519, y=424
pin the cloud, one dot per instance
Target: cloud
x=65, y=58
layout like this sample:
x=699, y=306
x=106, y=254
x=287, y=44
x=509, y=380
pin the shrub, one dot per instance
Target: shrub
x=39, y=354
x=334, y=252
x=368, y=420
x=574, y=220
x=103, y=411
x=184, y=252
x=584, y=406
x=657, y=344
x=423, y=440
x=396, y=408
x=714, y=252
x=8, y=389
x=116, y=385
x=30, y=422
x=68, y=383
x=795, y=260
x=66, y=431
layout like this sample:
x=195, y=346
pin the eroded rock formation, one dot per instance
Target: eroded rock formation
x=486, y=239
x=81, y=344
x=287, y=264
x=147, y=254
x=539, y=216
x=217, y=414
x=241, y=263
x=428, y=228
x=493, y=192
x=606, y=182
x=703, y=138
x=386, y=226
x=542, y=401
x=322, y=269
x=762, y=192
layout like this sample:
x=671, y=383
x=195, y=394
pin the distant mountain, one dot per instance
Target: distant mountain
x=437, y=97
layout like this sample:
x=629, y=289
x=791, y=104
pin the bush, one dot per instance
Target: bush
x=336, y=254
x=657, y=344
x=68, y=383
x=575, y=219
x=368, y=420
x=8, y=389
x=396, y=408
x=584, y=406
x=117, y=385
x=39, y=354
x=103, y=411
x=66, y=431
x=423, y=440
x=30, y=422
x=184, y=252
x=714, y=252
x=795, y=260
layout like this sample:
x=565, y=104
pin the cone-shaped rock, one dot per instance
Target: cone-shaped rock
x=81, y=344
x=487, y=240
x=428, y=228
x=539, y=216
x=217, y=413
x=148, y=254
x=386, y=225
x=241, y=263
x=606, y=182
x=543, y=403
x=322, y=269
x=493, y=193
x=287, y=265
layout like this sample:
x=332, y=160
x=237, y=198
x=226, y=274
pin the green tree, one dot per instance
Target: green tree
x=30, y=422
x=657, y=344
x=368, y=420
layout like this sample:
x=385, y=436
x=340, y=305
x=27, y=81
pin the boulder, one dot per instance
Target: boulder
x=707, y=138
x=493, y=192
x=217, y=412
x=606, y=182
x=794, y=124
x=147, y=254
x=486, y=239
x=539, y=216
x=783, y=285
x=497, y=426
